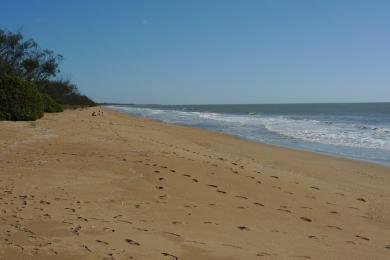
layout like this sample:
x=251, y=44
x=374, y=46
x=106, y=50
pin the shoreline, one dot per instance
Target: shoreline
x=335, y=150
x=80, y=187
x=373, y=162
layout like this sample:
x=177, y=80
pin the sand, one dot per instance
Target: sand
x=75, y=186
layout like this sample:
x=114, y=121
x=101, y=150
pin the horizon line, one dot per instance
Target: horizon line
x=221, y=104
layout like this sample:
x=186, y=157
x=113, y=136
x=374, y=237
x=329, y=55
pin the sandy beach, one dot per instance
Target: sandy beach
x=75, y=186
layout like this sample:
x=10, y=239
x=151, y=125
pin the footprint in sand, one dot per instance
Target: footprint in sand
x=86, y=248
x=354, y=208
x=210, y=222
x=306, y=219
x=263, y=254
x=284, y=210
x=76, y=230
x=243, y=228
x=362, y=237
x=109, y=229
x=132, y=242
x=142, y=229
x=170, y=255
x=102, y=242
x=335, y=227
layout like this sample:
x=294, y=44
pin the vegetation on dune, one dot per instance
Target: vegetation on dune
x=49, y=105
x=27, y=87
x=19, y=99
x=65, y=93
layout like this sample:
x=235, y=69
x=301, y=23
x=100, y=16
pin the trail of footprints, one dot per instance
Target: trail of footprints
x=282, y=208
x=10, y=217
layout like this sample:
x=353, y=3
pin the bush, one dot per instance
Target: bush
x=19, y=100
x=2, y=116
x=49, y=105
x=65, y=93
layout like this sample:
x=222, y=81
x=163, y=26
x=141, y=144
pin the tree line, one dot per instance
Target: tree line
x=28, y=84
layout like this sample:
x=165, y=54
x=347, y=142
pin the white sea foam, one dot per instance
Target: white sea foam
x=334, y=134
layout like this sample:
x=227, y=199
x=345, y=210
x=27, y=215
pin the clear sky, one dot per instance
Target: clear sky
x=215, y=51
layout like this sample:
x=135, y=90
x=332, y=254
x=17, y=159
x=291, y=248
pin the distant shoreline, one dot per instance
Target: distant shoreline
x=261, y=143
x=314, y=128
x=238, y=104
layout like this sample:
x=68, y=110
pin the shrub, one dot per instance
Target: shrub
x=2, y=116
x=49, y=105
x=65, y=93
x=19, y=99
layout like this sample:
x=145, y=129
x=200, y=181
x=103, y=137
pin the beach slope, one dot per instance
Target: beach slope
x=74, y=186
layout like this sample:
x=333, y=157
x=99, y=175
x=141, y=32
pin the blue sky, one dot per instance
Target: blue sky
x=215, y=51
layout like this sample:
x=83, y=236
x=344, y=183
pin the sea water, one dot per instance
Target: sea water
x=358, y=131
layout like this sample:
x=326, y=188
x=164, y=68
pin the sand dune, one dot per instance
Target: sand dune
x=115, y=187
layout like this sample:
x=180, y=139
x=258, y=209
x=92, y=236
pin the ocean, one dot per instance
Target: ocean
x=352, y=130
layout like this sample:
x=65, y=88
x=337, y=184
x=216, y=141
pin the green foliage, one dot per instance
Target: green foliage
x=26, y=90
x=2, y=116
x=25, y=59
x=49, y=105
x=19, y=99
x=65, y=93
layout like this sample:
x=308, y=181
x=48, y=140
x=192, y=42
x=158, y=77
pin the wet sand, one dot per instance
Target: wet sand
x=74, y=186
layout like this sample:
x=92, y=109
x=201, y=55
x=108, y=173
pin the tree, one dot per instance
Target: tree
x=25, y=59
x=65, y=93
x=26, y=85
